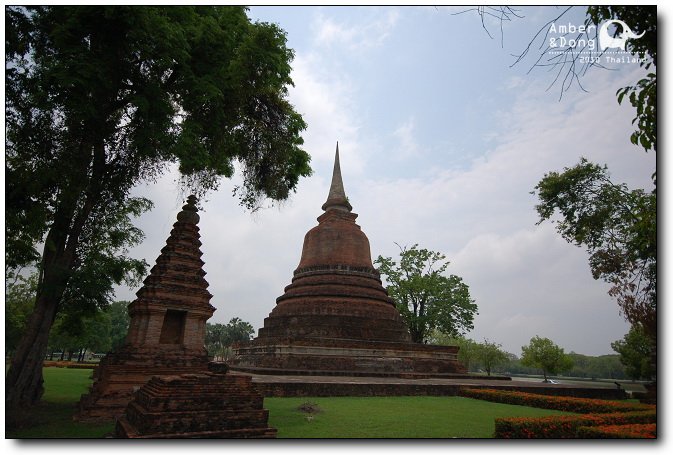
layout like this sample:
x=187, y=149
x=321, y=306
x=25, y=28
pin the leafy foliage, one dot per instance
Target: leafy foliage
x=542, y=353
x=100, y=98
x=491, y=355
x=98, y=332
x=617, y=226
x=642, y=95
x=220, y=337
x=487, y=355
x=468, y=349
x=602, y=366
x=19, y=302
x=635, y=353
x=426, y=298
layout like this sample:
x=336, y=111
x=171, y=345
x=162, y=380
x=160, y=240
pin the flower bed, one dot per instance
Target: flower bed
x=635, y=431
x=600, y=419
x=566, y=427
x=569, y=404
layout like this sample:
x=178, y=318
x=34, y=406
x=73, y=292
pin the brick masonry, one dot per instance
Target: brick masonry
x=335, y=315
x=211, y=404
x=167, y=329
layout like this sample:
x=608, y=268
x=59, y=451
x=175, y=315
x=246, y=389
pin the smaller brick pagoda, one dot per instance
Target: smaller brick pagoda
x=209, y=404
x=168, y=325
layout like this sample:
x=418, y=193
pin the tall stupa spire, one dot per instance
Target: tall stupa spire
x=337, y=200
x=335, y=316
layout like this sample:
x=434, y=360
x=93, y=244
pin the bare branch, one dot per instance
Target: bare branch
x=570, y=63
x=500, y=13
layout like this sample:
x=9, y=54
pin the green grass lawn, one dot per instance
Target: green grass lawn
x=392, y=417
x=340, y=417
x=63, y=388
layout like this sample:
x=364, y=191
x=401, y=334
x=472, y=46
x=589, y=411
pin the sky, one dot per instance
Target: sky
x=441, y=142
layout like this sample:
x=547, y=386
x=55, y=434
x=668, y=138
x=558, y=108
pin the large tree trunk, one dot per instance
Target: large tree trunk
x=23, y=384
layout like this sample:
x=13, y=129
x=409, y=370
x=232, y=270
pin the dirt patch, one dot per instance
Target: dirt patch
x=309, y=408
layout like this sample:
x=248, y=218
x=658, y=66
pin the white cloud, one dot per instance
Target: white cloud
x=325, y=101
x=355, y=37
x=405, y=140
x=527, y=280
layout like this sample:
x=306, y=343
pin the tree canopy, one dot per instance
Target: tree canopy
x=100, y=98
x=542, y=353
x=643, y=94
x=220, y=337
x=491, y=355
x=426, y=298
x=617, y=226
x=467, y=348
x=635, y=351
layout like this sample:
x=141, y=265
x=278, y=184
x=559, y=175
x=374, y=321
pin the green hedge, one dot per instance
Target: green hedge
x=635, y=431
x=569, y=404
x=566, y=427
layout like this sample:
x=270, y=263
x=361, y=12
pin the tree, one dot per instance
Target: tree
x=237, y=331
x=542, y=353
x=642, y=95
x=491, y=355
x=19, y=301
x=604, y=366
x=467, y=348
x=617, y=226
x=635, y=351
x=426, y=298
x=219, y=337
x=119, y=323
x=215, y=339
x=100, y=98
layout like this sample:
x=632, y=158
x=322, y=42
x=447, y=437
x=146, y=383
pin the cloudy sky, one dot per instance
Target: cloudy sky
x=441, y=143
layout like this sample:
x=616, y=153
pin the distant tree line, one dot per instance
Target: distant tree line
x=220, y=337
x=74, y=335
x=488, y=357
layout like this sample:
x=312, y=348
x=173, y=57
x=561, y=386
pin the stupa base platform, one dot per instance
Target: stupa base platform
x=121, y=374
x=204, y=405
x=274, y=385
x=361, y=374
x=344, y=356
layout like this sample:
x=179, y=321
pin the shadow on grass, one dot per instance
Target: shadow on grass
x=52, y=420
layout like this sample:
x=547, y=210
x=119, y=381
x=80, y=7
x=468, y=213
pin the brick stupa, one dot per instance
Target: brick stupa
x=336, y=317
x=168, y=325
x=209, y=404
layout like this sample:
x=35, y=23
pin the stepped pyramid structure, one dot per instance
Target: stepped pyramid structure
x=203, y=405
x=335, y=317
x=168, y=325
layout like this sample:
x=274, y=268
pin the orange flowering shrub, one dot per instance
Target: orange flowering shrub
x=568, y=404
x=634, y=431
x=600, y=419
x=566, y=427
